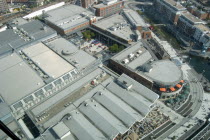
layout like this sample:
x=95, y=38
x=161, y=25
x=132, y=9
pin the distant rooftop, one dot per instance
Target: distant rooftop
x=203, y=28
x=72, y=54
x=68, y=16
x=192, y=18
x=134, y=18
x=176, y=5
x=23, y=35
x=18, y=21
x=116, y=25
x=106, y=3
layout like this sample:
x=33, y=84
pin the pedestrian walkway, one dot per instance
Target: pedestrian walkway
x=174, y=117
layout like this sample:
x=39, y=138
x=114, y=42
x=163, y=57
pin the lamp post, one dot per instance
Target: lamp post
x=202, y=77
x=189, y=61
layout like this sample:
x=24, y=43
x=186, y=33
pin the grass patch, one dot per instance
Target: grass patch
x=162, y=31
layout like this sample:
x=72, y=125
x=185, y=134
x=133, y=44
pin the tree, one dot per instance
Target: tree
x=114, y=48
x=121, y=48
x=88, y=34
x=92, y=34
x=88, y=37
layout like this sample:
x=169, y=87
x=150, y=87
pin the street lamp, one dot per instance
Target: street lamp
x=189, y=61
x=202, y=74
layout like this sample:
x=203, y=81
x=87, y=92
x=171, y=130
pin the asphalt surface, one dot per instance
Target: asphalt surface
x=159, y=131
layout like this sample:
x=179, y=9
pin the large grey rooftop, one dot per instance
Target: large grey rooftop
x=165, y=72
x=47, y=60
x=17, y=79
x=116, y=25
x=142, y=58
x=15, y=38
x=72, y=54
x=5, y=110
x=68, y=16
x=134, y=17
x=107, y=110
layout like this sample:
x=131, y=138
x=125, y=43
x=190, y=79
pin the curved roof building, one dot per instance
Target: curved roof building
x=164, y=73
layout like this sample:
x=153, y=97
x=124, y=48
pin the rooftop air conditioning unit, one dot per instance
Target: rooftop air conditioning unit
x=139, y=51
x=125, y=61
x=131, y=55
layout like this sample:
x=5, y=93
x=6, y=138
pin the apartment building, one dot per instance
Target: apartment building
x=202, y=35
x=198, y=13
x=87, y=3
x=108, y=7
x=170, y=9
x=187, y=22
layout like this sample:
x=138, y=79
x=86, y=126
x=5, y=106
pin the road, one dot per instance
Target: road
x=129, y=4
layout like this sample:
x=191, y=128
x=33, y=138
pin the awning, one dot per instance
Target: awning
x=172, y=89
x=178, y=85
x=182, y=81
x=163, y=89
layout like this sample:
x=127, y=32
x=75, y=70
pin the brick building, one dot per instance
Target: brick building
x=137, y=23
x=69, y=19
x=187, y=22
x=170, y=9
x=87, y=3
x=108, y=7
x=200, y=14
x=192, y=9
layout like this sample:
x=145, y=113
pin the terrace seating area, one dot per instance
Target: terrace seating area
x=176, y=103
